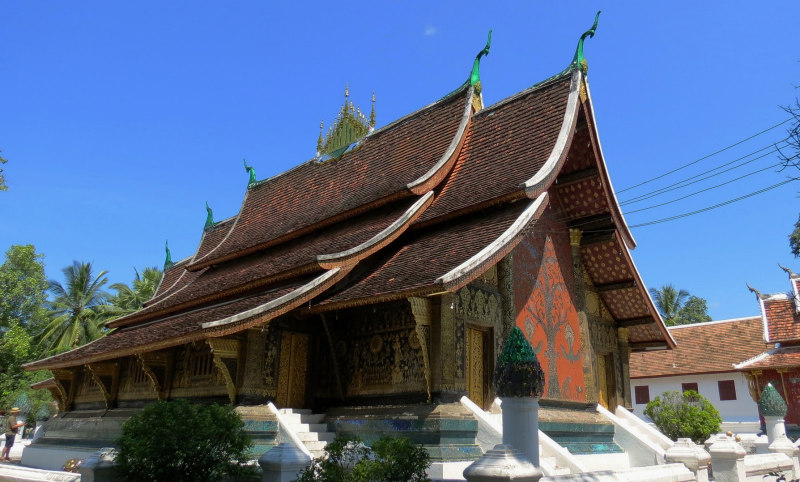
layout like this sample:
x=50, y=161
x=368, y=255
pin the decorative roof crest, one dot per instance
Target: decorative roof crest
x=579, y=60
x=788, y=271
x=758, y=293
x=168, y=261
x=351, y=124
x=209, y=217
x=475, y=75
x=252, y=171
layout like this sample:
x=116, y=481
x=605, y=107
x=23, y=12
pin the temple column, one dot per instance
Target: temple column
x=587, y=350
x=505, y=282
x=421, y=309
x=625, y=365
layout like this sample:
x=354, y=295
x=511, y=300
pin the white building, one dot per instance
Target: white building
x=703, y=361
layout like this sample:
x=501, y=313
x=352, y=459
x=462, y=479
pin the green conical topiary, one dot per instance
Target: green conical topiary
x=771, y=404
x=518, y=373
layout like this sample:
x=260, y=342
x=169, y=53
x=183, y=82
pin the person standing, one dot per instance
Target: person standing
x=11, y=428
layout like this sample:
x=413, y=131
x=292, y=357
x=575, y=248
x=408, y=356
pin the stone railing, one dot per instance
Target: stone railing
x=642, y=450
x=285, y=429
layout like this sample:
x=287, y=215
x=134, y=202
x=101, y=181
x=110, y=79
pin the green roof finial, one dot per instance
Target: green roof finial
x=209, y=217
x=475, y=76
x=252, y=172
x=518, y=373
x=579, y=60
x=168, y=261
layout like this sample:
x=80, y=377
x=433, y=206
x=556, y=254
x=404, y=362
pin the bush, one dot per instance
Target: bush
x=182, y=441
x=684, y=415
x=390, y=459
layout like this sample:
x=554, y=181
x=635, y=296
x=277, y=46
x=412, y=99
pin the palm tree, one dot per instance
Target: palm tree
x=129, y=299
x=78, y=309
x=669, y=301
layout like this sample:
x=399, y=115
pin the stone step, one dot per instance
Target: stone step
x=295, y=410
x=309, y=427
x=551, y=462
x=315, y=446
x=316, y=436
x=299, y=418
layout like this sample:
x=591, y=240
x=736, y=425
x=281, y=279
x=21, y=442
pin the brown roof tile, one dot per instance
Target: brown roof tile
x=783, y=321
x=788, y=356
x=507, y=144
x=702, y=348
x=388, y=160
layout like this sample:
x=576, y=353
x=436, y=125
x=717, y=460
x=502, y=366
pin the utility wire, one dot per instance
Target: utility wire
x=703, y=190
x=688, y=181
x=706, y=156
x=730, y=201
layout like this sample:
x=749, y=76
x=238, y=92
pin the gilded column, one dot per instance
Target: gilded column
x=505, y=282
x=587, y=350
x=625, y=366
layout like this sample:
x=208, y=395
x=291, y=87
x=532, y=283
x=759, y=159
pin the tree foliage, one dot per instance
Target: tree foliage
x=790, y=156
x=390, y=459
x=78, y=309
x=131, y=298
x=182, y=441
x=684, y=415
x=23, y=288
x=678, y=307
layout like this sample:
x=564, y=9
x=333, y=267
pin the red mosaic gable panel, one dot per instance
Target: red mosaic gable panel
x=606, y=263
x=545, y=312
x=581, y=153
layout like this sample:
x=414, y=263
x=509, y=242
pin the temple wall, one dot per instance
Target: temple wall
x=545, y=307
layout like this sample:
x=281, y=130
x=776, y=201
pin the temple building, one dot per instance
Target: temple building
x=376, y=282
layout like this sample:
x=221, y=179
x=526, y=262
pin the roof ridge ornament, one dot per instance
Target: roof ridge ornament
x=209, y=217
x=350, y=126
x=475, y=75
x=758, y=293
x=168, y=260
x=579, y=60
x=252, y=172
x=787, y=271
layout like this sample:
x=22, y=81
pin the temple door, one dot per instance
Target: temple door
x=293, y=368
x=476, y=366
x=606, y=385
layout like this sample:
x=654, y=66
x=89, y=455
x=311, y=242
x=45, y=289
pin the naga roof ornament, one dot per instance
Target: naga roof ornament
x=251, y=170
x=351, y=124
x=168, y=260
x=475, y=75
x=209, y=217
x=579, y=60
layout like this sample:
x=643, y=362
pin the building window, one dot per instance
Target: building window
x=689, y=386
x=642, y=394
x=727, y=390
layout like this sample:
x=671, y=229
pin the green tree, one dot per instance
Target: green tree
x=182, y=441
x=131, y=298
x=678, y=307
x=23, y=289
x=684, y=415
x=3, y=186
x=791, y=159
x=17, y=348
x=78, y=309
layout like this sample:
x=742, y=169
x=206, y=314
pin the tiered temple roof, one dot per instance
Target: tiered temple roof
x=421, y=206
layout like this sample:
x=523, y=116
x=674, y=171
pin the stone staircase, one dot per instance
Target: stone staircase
x=309, y=428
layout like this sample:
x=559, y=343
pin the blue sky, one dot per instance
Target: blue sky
x=121, y=119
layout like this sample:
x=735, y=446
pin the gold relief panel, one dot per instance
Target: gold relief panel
x=88, y=389
x=271, y=345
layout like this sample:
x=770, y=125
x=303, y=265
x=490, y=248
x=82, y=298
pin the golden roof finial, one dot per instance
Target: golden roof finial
x=346, y=91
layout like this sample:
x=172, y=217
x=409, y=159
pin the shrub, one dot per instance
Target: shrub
x=390, y=459
x=684, y=415
x=182, y=441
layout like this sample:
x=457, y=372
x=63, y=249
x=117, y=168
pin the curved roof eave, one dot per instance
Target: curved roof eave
x=540, y=181
x=387, y=235
x=616, y=212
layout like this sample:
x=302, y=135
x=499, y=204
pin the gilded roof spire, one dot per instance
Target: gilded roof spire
x=209, y=217
x=350, y=125
x=579, y=60
x=168, y=261
x=252, y=172
x=319, y=139
x=475, y=75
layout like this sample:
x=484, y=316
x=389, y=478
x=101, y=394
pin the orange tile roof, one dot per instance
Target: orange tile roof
x=703, y=348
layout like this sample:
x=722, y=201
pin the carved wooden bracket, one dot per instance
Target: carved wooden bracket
x=156, y=366
x=106, y=375
x=226, y=348
x=65, y=386
x=421, y=309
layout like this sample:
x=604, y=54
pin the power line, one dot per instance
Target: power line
x=688, y=181
x=703, y=190
x=706, y=156
x=730, y=201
